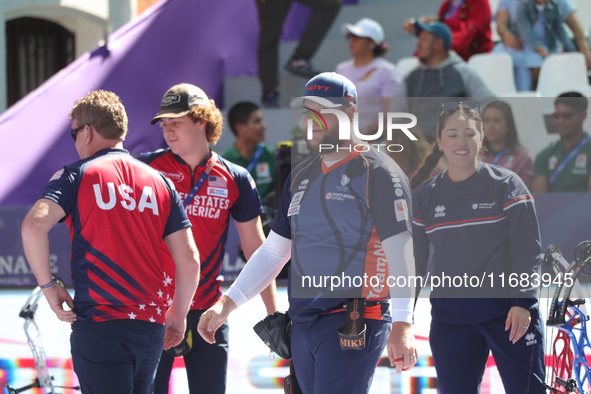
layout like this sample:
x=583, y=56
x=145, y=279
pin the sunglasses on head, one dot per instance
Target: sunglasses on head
x=563, y=115
x=449, y=106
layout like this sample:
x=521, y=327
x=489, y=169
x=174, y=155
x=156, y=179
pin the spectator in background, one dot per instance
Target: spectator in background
x=469, y=21
x=272, y=13
x=513, y=41
x=565, y=165
x=441, y=73
x=248, y=125
x=502, y=144
x=375, y=78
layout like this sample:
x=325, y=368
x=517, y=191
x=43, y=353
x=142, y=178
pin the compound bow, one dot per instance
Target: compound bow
x=44, y=379
x=569, y=317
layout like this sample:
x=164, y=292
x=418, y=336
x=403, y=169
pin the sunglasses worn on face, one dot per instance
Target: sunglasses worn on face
x=453, y=105
x=563, y=115
x=74, y=132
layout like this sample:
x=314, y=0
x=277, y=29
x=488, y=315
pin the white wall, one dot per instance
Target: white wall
x=90, y=21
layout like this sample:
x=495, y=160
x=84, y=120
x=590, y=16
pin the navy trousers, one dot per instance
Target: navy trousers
x=460, y=353
x=206, y=364
x=117, y=356
x=322, y=367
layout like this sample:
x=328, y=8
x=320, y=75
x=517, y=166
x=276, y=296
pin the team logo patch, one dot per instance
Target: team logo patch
x=293, y=210
x=483, y=205
x=170, y=99
x=214, y=191
x=345, y=180
x=530, y=339
x=552, y=163
x=303, y=184
x=401, y=210
x=263, y=170
x=336, y=196
x=176, y=177
x=217, y=181
x=57, y=174
x=439, y=211
x=581, y=161
x=396, y=181
x=296, y=198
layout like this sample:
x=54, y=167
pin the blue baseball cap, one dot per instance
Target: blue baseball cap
x=439, y=29
x=328, y=89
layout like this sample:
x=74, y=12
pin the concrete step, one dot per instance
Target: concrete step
x=238, y=89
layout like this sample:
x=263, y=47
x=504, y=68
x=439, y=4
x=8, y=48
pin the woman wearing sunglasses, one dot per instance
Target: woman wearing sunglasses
x=481, y=223
x=502, y=144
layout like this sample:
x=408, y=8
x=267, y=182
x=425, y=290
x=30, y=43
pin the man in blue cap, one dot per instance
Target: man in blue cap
x=343, y=219
x=440, y=75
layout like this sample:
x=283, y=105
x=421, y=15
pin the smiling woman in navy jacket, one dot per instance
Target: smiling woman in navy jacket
x=481, y=223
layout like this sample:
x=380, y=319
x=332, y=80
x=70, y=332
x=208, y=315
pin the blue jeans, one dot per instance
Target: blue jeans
x=116, y=356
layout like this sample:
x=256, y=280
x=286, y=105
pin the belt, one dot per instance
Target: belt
x=366, y=303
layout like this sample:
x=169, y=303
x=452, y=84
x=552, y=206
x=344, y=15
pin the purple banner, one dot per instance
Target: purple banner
x=14, y=268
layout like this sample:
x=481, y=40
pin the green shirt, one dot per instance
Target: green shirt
x=574, y=177
x=263, y=172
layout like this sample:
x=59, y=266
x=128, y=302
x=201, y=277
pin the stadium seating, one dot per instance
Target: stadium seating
x=496, y=70
x=562, y=72
x=406, y=64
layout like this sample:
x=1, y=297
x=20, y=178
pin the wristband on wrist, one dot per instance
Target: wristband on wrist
x=48, y=284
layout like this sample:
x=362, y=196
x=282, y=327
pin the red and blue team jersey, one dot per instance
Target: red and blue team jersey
x=228, y=190
x=336, y=218
x=484, y=226
x=118, y=211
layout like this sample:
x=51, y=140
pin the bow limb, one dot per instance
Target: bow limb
x=569, y=316
x=33, y=334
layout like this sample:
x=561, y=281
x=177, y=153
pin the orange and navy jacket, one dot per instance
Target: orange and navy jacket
x=228, y=190
x=118, y=211
x=336, y=218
